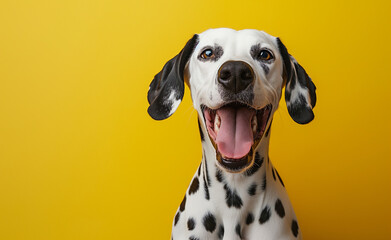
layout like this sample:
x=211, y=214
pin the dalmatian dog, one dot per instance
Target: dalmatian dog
x=236, y=80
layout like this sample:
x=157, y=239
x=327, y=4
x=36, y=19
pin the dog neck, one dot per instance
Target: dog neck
x=224, y=183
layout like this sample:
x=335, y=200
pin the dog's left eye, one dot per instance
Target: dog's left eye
x=265, y=55
x=208, y=53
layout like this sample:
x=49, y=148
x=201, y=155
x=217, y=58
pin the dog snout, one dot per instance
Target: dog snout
x=235, y=76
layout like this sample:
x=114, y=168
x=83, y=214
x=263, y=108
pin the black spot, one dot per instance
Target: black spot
x=221, y=232
x=265, y=215
x=201, y=132
x=265, y=68
x=199, y=169
x=264, y=182
x=191, y=224
x=295, y=228
x=274, y=175
x=219, y=175
x=254, y=51
x=206, y=172
x=252, y=189
x=232, y=198
x=249, y=219
x=268, y=129
x=279, y=208
x=206, y=190
x=183, y=204
x=257, y=164
x=278, y=175
x=176, y=219
x=237, y=230
x=195, y=184
x=193, y=238
x=209, y=222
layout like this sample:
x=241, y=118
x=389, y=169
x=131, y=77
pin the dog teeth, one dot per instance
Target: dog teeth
x=254, y=123
x=217, y=123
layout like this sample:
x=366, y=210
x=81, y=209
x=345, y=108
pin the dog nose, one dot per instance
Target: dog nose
x=235, y=76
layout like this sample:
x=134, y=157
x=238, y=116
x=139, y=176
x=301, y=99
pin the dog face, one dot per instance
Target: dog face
x=235, y=66
x=236, y=80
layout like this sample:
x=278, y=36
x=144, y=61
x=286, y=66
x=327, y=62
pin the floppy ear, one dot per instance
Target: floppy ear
x=167, y=88
x=300, y=93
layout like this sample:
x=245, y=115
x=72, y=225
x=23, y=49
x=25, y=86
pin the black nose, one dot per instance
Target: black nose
x=235, y=76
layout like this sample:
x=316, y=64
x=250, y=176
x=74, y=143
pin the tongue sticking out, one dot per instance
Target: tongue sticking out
x=235, y=137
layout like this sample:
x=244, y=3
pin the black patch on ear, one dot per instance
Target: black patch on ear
x=170, y=80
x=312, y=89
x=295, y=74
x=285, y=58
x=299, y=111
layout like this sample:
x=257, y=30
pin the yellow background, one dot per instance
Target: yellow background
x=81, y=159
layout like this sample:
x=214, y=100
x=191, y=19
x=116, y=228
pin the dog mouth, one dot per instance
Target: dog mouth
x=235, y=130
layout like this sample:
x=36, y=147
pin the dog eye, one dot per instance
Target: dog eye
x=265, y=55
x=208, y=53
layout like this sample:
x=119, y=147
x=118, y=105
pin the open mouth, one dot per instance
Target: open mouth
x=235, y=130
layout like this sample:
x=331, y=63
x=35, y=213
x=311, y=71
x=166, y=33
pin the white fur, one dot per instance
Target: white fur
x=173, y=102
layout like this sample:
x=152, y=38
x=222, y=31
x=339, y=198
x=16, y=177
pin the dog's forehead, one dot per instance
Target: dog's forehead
x=227, y=37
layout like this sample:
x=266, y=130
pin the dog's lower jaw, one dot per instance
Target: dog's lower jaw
x=211, y=166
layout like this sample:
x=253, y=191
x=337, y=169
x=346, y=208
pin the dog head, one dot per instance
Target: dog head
x=236, y=80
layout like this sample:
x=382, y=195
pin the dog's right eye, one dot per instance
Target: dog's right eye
x=207, y=54
x=265, y=55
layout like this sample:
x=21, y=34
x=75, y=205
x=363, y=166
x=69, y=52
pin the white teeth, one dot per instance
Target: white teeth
x=254, y=124
x=217, y=123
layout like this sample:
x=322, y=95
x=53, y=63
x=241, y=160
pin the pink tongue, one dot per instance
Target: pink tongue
x=235, y=137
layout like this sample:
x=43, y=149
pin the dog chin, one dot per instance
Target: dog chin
x=235, y=130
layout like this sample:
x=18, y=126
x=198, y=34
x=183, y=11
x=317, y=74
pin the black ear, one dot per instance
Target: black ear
x=167, y=87
x=300, y=93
